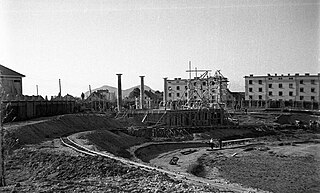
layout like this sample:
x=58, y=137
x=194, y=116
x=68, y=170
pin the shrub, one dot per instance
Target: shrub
x=197, y=169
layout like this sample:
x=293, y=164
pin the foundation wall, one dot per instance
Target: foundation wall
x=181, y=118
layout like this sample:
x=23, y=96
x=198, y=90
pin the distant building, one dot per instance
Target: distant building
x=283, y=87
x=102, y=95
x=11, y=82
x=235, y=99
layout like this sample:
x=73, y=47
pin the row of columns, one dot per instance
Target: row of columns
x=119, y=99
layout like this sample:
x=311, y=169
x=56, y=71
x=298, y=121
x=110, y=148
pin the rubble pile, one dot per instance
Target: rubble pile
x=34, y=170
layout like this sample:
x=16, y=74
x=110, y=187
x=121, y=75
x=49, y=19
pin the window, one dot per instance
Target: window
x=260, y=89
x=301, y=81
x=260, y=97
x=195, y=83
x=260, y=81
x=186, y=94
x=313, y=90
x=16, y=81
x=195, y=97
x=204, y=83
x=178, y=94
x=290, y=78
x=270, y=85
x=270, y=93
x=280, y=93
x=250, y=89
x=301, y=90
x=301, y=98
x=250, y=97
x=250, y=81
x=178, y=87
x=280, y=85
x=186, y=87
x=312, y=98
x=290, y=93
x=280, y=78
x=269, y=78
x=312, y=81
x=212, y=83
x=169, y=95
x=169, y=88
x=290, y=85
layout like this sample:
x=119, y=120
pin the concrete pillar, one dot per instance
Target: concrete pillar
x=141, y=92
x=119, y=101
x=165, y=91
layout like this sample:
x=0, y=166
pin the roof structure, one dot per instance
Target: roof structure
x=4, y=71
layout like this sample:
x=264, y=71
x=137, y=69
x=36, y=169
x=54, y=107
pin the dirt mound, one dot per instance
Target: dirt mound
x=35, y=132
x=115, y=142
x=38, y=170
x=292, y=118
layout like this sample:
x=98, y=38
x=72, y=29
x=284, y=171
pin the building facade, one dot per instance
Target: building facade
x=11, y=82
x=283, y=87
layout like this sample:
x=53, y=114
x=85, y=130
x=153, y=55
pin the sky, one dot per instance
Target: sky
x=87, y=42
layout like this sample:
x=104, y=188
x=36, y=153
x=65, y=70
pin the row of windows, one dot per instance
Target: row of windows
x=195, y=84
x=195, y=97
x=301, y=81
x=177, y=94
x=301, y=89
x=301, y=97
x=281, y=93
x=280, y=78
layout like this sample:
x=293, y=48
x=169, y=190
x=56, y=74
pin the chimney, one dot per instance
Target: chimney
x=141, y=92
x=119, y=101
x=165, y=91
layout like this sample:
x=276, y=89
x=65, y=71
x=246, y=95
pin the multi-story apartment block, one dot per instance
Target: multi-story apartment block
x=283, y=87
x=212, y=89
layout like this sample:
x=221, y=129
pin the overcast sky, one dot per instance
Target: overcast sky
x=86, y=42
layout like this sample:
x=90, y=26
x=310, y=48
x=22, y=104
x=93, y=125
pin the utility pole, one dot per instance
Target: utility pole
x=60, y=88
x=89, y=90
x=37, y=90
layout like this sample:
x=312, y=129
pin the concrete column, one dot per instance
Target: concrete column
x=165, y=91
x=119, y=101
x=141, y=92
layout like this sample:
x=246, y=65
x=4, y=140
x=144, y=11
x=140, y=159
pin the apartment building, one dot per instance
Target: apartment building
x=283, y=87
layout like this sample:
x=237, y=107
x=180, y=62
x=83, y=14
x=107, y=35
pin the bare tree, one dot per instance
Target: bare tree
x=2, y=175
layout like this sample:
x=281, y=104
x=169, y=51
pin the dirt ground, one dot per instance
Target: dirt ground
x=37, y=162
x=289, y=165
x=51, y=167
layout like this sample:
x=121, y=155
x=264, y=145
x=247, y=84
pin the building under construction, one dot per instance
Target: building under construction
x=187, y=103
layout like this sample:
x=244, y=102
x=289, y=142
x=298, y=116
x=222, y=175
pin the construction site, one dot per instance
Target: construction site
x=193, y=143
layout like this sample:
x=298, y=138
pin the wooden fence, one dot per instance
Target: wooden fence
x=25, y=110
